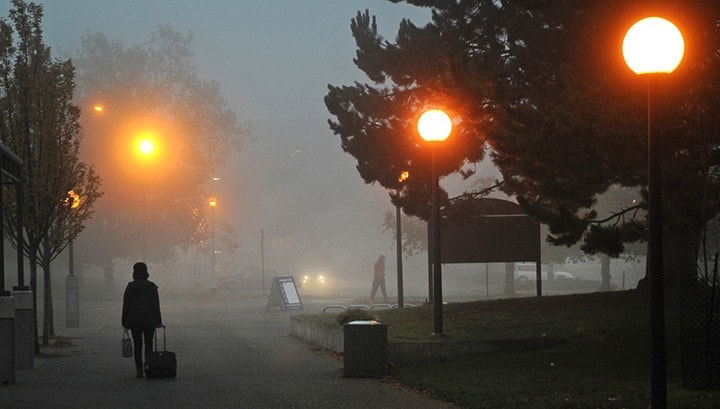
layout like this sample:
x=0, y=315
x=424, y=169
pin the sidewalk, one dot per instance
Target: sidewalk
x=232, y=353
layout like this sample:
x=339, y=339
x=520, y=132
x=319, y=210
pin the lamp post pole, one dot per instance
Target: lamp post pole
x=658, y=365
x=146, y=149
x=398, y=244
x=72, y=282
x=654, y=46
x=212, y=203
x=435, y=126
x=437, y=260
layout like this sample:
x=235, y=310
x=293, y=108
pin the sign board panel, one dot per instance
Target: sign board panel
x=284, y=294
x=491, y=239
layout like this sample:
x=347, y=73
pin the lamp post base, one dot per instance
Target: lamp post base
x=72, y=301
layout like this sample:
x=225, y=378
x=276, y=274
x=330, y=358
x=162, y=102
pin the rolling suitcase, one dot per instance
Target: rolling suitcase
x=160, y=364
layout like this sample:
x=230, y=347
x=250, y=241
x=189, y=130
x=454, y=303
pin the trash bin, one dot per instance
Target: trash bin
x=365, y=349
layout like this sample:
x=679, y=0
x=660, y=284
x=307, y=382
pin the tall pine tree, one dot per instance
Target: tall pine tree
x=544, y=86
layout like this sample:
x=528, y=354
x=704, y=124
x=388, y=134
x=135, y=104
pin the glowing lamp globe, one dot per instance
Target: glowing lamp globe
x=434, y=125
x=146, y=147
x=653, y=45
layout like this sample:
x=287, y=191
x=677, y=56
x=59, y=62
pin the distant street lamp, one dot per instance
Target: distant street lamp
x=212, y=202
x=435, y=126
x=72, y=287
x=146, y=147
x=72, y=202
x=398, y=243
x=654, y=46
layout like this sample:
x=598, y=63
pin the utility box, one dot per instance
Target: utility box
x=365, y=349
x=7, y=338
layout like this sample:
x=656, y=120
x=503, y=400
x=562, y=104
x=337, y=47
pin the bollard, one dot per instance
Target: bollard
x=365, y=349
x=24, y=334
x=72, y=302
x=7, y=339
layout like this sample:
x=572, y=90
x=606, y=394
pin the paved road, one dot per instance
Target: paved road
x=232, y=353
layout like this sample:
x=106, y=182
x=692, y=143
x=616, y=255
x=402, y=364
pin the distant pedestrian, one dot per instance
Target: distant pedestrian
x=379, y=277
x=141, y=313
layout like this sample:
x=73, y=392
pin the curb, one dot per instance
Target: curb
x=411, y=352
x=324, y=337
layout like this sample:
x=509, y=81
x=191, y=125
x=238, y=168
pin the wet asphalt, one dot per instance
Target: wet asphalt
x=231, y=351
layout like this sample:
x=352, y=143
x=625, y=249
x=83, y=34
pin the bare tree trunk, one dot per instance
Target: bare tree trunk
x=48, y=318
x=33, y=287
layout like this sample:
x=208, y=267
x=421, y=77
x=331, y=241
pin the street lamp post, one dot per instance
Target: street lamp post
x=654, y=46
x=434, y=127
x=146, y=150
x=72, y=282
x=398, y=243
x=212, y=202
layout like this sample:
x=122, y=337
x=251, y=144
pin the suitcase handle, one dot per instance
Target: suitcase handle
x=164, y=340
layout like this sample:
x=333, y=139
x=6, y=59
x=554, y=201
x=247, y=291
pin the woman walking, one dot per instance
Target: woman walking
x=141, y=313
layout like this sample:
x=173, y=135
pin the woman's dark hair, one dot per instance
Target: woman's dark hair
x=140, y=271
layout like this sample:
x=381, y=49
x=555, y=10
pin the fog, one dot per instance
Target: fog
x=292, y=184
x=273, y=61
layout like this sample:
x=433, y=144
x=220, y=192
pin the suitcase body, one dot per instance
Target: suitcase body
x=160, y=364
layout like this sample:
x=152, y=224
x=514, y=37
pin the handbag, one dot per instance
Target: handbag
x=127, y=344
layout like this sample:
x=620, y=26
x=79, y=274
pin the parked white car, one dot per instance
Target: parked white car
x=527, y=272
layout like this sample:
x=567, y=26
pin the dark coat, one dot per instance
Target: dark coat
x=141, y=304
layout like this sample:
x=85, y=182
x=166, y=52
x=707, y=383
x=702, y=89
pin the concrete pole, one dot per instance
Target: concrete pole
x=24, y=334
x=72, y=301
x=72, y=294
x=7, y=339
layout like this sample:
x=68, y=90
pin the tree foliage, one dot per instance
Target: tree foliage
x=152, y=86
x=40, y=123
x=543, y=85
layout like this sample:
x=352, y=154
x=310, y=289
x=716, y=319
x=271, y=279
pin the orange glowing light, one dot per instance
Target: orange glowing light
x=403, y=176
x=146, y=147
x=653, y=45
x=212, y=202
x=73, y=200
x=141, y=148
x=98, y=108
x=434, y=125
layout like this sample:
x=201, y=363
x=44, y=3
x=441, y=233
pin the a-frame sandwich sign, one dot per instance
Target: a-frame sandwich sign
x=284, y=294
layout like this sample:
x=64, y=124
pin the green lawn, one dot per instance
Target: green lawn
x=604, y=363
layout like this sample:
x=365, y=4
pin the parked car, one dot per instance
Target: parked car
x=527, y=272
x=247, y=279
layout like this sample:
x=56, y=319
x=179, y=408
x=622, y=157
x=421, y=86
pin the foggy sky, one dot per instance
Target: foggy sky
x=273, y=60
